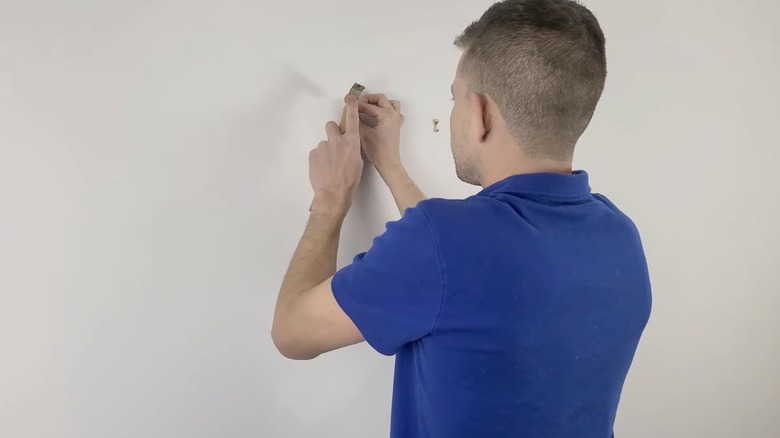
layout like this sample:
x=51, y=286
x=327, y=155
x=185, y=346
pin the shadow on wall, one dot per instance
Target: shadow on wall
x=256, y=175
x=253, y=143
x=364, y=219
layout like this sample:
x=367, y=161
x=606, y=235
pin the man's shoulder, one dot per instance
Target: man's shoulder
x=458, y=220
x=618, y=214
x=443, y=208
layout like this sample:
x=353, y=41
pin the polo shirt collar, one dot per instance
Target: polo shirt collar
x=555, y=185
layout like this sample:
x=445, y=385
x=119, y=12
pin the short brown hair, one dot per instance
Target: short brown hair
x=544, y=63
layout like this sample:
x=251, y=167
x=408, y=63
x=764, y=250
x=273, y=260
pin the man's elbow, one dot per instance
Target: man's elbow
x=289, y=346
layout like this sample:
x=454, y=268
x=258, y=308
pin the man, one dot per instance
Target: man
x=515, y=312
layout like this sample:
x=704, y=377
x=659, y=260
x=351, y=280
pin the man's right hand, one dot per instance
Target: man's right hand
x=380, y=131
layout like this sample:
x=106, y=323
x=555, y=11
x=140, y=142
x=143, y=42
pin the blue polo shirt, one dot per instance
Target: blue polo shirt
x=513, y=313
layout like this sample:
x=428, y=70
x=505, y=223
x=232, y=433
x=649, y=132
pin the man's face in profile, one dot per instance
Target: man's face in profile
x=464, y=150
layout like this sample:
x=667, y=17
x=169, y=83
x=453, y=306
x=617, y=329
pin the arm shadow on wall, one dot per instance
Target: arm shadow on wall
x=366, y=216
x=252, y=166
x=256, y=137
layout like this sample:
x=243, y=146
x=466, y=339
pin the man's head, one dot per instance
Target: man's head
x=531, y=74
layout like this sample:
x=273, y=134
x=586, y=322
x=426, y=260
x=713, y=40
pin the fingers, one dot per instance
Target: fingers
x=375, y=104
x=353, y=122
x=320, y=145
x=367, y=119
x=332, y=130
x=378, y=99
x=367, y=108
x=397, y=107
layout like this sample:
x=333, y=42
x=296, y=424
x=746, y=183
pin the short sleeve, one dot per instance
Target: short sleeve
x=393, y=291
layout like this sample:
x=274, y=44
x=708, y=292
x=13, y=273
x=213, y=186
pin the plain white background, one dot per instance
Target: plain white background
x=153, y=185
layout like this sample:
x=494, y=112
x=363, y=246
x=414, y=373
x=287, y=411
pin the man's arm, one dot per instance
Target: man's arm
x=308, y=321
x=404, y=190
x=380, y=135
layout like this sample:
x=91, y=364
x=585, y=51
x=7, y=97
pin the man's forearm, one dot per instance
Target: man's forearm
x=404, y=190
x=314, y=260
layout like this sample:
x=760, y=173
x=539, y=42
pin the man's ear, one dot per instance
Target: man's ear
x=483, y=119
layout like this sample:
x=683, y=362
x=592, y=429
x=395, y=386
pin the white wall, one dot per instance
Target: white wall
x=153, y=185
